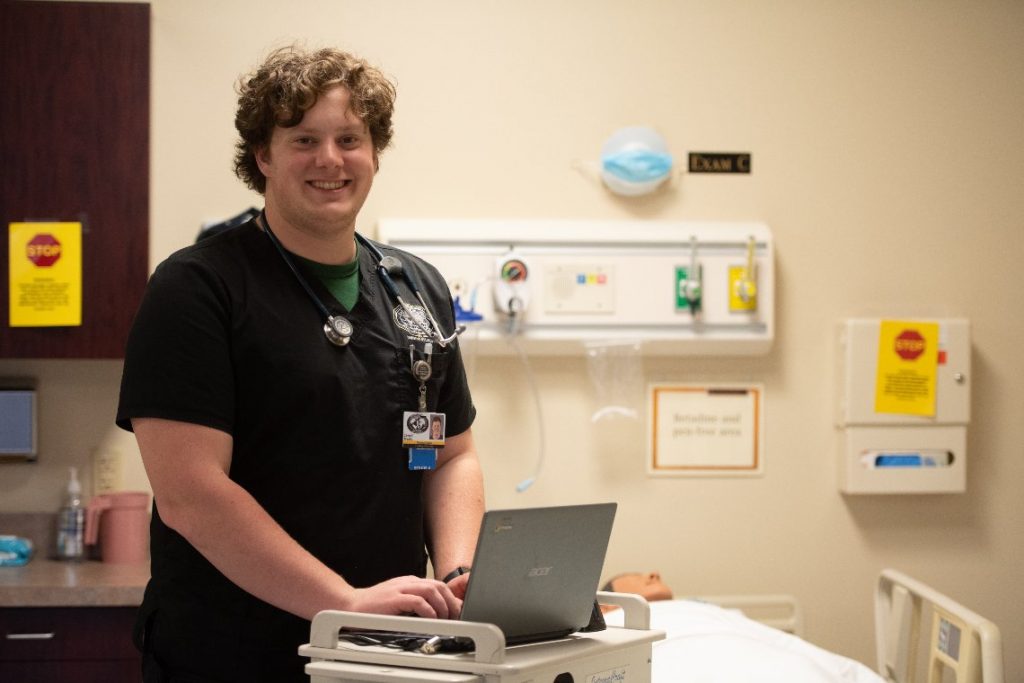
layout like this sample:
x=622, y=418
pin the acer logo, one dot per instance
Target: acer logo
x=539, y=571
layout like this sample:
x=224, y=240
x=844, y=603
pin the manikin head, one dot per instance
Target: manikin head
x=648, y=585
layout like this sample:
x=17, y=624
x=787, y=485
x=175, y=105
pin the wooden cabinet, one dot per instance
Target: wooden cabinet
x=74, y=644
x=74, y=130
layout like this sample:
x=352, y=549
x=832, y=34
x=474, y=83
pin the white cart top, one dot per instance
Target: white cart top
x=491, y=656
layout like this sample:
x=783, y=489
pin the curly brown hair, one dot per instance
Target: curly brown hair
x=281, y=90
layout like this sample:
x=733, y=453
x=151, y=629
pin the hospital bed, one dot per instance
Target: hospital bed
x=922, y=636
x=962, y=644
x=711, y=638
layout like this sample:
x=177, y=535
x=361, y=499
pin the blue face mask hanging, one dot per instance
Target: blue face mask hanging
x=638, y=165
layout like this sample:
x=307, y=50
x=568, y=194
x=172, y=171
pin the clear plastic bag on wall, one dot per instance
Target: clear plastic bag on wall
x=616, y=372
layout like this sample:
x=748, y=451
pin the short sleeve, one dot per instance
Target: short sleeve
x=178, y=358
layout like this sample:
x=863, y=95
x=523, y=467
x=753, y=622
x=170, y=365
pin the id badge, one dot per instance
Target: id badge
x=421, y=430
x=422, y=458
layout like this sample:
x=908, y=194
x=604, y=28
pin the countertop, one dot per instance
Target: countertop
x=52, y=583
x=46, y=582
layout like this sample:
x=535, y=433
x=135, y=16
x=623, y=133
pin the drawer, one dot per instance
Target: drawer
x=352, y=671
x=67, y=633
x=67, y=671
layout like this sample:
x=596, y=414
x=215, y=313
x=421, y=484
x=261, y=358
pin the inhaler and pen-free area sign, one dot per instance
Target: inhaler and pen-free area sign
x=705, y=430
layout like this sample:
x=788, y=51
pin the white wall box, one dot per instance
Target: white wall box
x=886, y=450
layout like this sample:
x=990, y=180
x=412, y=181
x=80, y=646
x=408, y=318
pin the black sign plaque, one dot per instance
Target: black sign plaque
x=719, y=162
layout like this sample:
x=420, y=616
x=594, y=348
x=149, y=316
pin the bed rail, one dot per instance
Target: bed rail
x=961, y=642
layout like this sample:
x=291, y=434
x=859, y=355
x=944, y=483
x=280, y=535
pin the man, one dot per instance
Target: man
x=273, y=438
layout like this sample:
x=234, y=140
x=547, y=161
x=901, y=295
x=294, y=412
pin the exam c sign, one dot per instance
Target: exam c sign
x=43, y=250
x=719, y=162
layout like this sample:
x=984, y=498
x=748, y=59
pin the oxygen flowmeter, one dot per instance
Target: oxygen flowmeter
x=743, y=282
x=689, y=289
x=511, y=292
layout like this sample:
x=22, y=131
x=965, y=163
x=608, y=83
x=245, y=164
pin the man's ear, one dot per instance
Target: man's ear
x=262, y=155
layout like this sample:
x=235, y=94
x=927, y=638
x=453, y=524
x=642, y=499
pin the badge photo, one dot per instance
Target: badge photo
x=422, y=429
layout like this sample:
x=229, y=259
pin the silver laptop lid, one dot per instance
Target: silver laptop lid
x=536, y=570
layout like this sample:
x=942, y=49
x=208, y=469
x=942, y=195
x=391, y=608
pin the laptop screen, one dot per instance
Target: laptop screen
x=536, y=570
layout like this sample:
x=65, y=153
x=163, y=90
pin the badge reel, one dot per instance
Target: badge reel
x=422, y=431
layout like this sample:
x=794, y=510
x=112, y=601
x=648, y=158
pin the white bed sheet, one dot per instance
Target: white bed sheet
x=705, y=643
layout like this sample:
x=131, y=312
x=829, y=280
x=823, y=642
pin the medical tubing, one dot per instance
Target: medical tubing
x=409, y=309
x=295, y=271
x=385, y=264
x=441, y=339
x=389, y=284
x=409, y=278
x=535, y=392
x=385, y=277
x=515, y=305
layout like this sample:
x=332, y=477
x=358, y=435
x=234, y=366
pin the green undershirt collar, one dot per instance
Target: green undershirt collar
x=342, y=281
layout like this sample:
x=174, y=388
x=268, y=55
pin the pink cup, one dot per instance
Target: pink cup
x=120, y=522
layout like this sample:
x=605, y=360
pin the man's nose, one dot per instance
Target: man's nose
x=330, y=154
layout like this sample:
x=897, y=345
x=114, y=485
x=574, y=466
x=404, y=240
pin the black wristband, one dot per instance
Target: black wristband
x=458, y=571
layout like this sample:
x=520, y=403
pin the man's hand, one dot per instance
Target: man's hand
x=459, y=585
x=409, y=595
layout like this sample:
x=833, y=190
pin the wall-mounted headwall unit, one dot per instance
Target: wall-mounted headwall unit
x=693, y=288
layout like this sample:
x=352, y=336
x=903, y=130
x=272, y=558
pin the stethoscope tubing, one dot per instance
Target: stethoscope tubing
x=295, y=271
x=385, y=266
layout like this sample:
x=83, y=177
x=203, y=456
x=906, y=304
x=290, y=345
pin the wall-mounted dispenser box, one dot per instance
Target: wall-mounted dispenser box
x=904, y=405
x=18, y=432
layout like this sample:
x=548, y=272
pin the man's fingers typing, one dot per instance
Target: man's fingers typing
x=408, y=595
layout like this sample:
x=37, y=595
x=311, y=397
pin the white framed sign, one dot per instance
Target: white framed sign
x=705, y=430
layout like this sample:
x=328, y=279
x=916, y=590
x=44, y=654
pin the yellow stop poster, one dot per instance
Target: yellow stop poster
x=908, y=364
x=45, y=274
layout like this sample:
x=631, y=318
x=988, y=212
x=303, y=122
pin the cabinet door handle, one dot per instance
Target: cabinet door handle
x=31, y=636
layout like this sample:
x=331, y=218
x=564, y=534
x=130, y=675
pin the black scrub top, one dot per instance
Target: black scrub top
x=227, y=338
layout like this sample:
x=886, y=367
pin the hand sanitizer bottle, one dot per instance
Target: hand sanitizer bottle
x=71, y=522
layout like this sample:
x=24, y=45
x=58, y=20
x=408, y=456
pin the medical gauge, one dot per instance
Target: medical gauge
x=338, y=329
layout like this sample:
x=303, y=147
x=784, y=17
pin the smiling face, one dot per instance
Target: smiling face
x=318, y=174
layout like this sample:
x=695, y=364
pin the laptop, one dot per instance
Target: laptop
x=536, y=570
x=535, y=576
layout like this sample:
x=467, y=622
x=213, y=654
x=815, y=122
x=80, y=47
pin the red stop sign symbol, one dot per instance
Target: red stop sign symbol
x=43, y=250
x=909, y=344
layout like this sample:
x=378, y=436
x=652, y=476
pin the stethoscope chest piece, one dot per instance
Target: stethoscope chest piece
x=338, y=330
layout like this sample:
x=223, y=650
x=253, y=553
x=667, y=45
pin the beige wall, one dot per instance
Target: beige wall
x=886, y=141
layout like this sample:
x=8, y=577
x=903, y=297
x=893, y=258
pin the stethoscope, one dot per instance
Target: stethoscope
x=337, y=328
